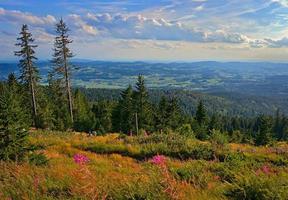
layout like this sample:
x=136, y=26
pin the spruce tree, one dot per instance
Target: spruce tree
x=61, y=57
x=278, y=126
x=103, y=116
x=162, y=115
x=126, y=111
x=201, y=114
x=29, y=72
x=174, y=114
x=213, y=123
x=13, y=123
x=60, y=113
x=83, y=116
x=263, y=136
x=142, y=105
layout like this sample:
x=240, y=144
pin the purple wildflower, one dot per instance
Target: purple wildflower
x=80, y=159
x=158, y=160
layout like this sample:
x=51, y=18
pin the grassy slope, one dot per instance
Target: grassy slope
x=121, y=168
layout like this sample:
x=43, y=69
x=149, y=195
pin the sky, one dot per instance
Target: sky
x=152, y=30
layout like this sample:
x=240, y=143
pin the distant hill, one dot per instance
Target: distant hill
x=262, y=78
x=238, y=88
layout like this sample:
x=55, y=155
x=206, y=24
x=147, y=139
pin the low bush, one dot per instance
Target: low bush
x=193, y=172
x=38, y=159
x=259, y=187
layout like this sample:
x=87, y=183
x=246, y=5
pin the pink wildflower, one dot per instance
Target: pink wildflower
x=80, y=159
x=158, y=160
x=265, y=170
x=36, y=182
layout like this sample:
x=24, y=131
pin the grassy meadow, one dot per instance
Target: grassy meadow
x=114, y=166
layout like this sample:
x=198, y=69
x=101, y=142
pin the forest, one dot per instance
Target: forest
x=161, y=148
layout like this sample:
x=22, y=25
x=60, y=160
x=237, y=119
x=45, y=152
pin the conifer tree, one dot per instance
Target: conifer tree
x=61, y=57
x=263, y=136
x=278, y=126
x=83, y=116
x=126, y=111
x=13, y=123
x=29, y=72
x=201, y=113
x=162, y=114
x=213, y=123
x=60, y=113
x=174, y=114
x=142, y=105
x=103, y=116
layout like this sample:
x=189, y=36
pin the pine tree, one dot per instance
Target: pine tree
x=174, y=114
x=13, y=123
x=263, y=136
x=82, y=112
x=12, y=80
x=201, y=114
x=29, y=72
x=61, y=57
x=162, y=114
x=103, y=116
x=60, y=113
x=126, y=111
x=142, y=105
x=278, y=126
x=213, y=123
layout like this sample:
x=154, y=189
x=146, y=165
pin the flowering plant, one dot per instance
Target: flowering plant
x=80, y=159
x=158, y=160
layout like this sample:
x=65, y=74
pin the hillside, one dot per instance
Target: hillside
x=231, y=88
x=231, y=104
x=151, y=167
x=262, y=78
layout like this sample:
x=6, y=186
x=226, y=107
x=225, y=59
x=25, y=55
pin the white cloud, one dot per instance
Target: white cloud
x=281, y=2
x=140, y=27
x=283, y=42
x=199, y=8
x=77, y=23
x=25, y=18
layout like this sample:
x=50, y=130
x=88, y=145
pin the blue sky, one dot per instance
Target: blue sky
x=168, y=30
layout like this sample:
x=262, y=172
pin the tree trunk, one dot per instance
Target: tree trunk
x=32, y=90
x=33, y=102
x=68, y=84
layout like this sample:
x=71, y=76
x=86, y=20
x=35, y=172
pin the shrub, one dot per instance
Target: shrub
x=13, y=144
x=186, y=130
x=38, y=159
x=218, y=139
x=194, y=173
x=259, y=187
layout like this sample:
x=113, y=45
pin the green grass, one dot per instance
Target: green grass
x=120, y=167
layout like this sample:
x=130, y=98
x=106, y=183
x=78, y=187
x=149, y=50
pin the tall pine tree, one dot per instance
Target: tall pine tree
x=57, y=98
x=61, y=57
x=201, y=113
x=13, y=122
x=142, y=105
x=263, y=136
x=82, y=111
x=127, y=124
x=29, y=72
x=162, y=115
